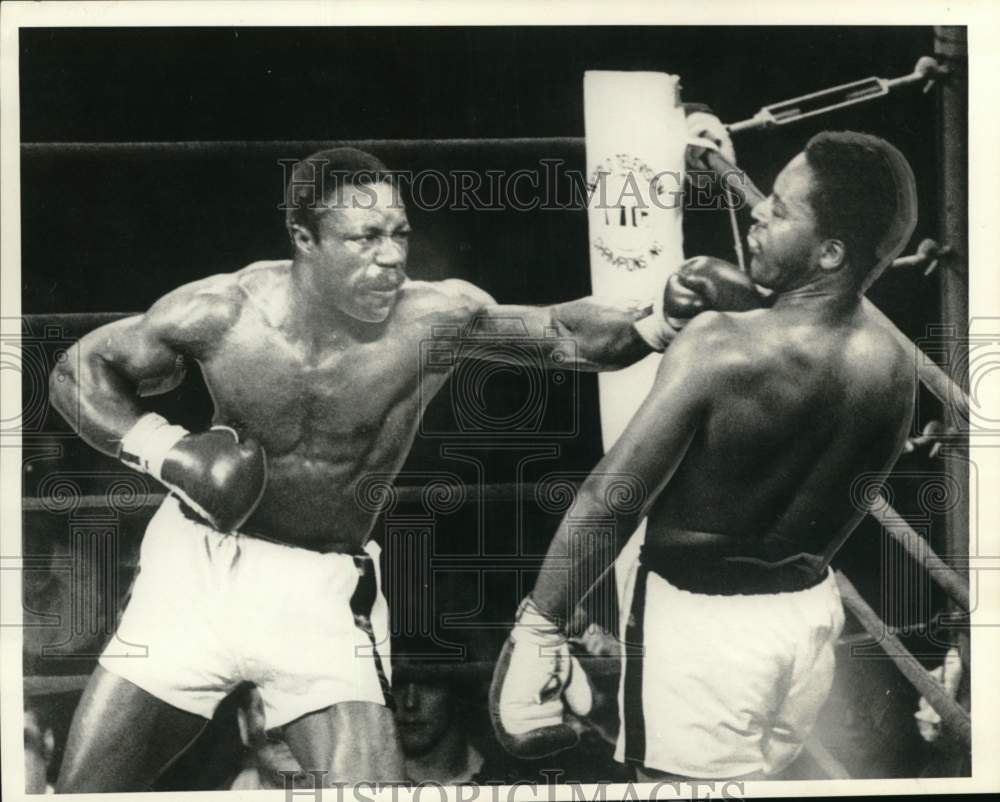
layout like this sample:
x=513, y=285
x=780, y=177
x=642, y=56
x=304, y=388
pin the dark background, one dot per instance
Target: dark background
x=110, y=224
x=172, y=84
x=109, y=231
x=113, y=227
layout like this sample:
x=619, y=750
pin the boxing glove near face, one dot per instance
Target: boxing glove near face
x=704, y=282
x=700, y=283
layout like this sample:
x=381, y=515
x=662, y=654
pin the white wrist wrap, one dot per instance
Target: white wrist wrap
x=657, y=329
x=534, y=627
x=542, y=675
x=148, y=442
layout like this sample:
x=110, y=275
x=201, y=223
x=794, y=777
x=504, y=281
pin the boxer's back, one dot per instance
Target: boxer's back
x=804, y=406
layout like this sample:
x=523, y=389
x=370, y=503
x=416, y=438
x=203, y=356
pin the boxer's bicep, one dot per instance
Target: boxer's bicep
x=149, y=350
x=512, y=322
x=164, y=384
x=97, y=386
x=133, y=350
x=487, y=321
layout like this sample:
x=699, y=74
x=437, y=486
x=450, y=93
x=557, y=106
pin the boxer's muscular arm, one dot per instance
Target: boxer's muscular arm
x=626, y=482
x=97, y=387
x=587, y=334
x=159, y=386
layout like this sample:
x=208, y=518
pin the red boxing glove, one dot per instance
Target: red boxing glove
x=220, y=478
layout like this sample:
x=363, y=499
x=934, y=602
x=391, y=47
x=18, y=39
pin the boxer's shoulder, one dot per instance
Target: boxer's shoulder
x=263, y=276
x=264, y=286
x=873, y=336
x=205, y=309
x=717, y=355
x=465, y=292
x=453, y=293
x=449, y=301
x=876, y=359
x=721, y=342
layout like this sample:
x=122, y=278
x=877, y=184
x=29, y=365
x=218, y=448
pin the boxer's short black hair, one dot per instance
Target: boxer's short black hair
x=864, y=196
x=316, y=182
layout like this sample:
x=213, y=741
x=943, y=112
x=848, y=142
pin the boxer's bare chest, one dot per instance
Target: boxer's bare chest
x=327, y=399
x=329, y=407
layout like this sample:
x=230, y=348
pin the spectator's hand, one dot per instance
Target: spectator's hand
x=949, y=674
x=930, y=440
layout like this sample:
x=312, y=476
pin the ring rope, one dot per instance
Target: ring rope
x=891, y=521
x=947, y=578
x=828, y=764
x=953, y=715
x=934, y=378
x=428, y=668
x=926, y=254
x=865, y=638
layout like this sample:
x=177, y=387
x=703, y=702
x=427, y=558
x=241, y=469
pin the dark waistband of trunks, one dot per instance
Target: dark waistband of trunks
x=191, y=515
x=728, y=572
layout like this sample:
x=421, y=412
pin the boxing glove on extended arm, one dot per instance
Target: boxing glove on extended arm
x=700, y=283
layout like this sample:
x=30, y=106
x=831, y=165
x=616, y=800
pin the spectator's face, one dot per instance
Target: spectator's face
x=423, y=716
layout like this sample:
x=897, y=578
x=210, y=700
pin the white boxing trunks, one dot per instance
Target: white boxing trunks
x=210, y=610
x=720, y=685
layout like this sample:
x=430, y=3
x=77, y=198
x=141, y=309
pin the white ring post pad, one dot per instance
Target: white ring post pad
x=636, y=139
x=634, y=126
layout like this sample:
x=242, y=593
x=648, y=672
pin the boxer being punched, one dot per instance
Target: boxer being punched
x=744, y=453
x=258, y=567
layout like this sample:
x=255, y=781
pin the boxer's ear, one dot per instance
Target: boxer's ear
x=832, y=254
x=243, y=725
x=302, y=238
